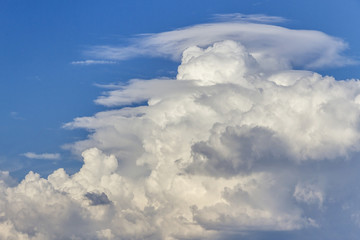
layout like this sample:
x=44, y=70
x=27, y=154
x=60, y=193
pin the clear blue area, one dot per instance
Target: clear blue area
x=40, y=89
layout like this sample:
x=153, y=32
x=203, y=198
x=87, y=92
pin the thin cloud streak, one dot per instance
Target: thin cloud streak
x=46, y=156
x=254, y=18
x=92, y=62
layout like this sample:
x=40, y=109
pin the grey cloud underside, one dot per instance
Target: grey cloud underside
x=97, y=199
x=239, y=150
x=229, y=149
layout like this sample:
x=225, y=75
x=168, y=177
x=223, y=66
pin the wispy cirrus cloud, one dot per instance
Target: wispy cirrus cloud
x=47, y=156
x=254, y=18
x=92, y=62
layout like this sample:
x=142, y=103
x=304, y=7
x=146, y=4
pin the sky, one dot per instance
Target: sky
x=179, y=119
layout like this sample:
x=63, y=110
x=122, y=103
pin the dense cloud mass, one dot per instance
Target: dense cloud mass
x=239, y=142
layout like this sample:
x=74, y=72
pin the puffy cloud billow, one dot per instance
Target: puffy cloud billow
x=238, y=143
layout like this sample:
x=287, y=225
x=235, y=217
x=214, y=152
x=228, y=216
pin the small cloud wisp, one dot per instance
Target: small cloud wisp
x=47, y=156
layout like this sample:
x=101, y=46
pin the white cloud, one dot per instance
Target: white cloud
x=92, y=62
x=49, y=156
x=225, y=148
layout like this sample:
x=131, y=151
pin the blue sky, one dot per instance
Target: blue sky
x=54, y=66
x=41, y=90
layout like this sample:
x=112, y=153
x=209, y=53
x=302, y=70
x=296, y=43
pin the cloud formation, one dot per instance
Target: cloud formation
x=238, y=142
x=272, y=46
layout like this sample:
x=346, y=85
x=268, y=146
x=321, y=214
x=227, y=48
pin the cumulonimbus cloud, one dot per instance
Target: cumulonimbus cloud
x=233, y=146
